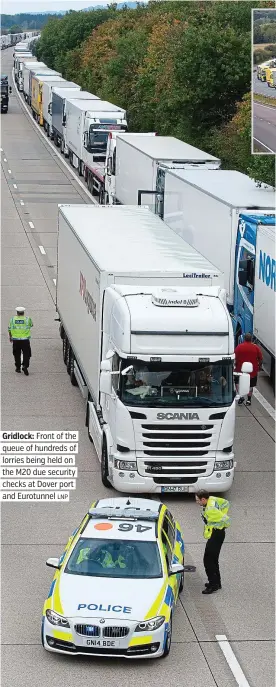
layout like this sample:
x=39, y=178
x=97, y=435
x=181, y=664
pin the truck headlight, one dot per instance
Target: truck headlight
x=151, y=624
x=223, y=464
x=56, y=619
x=125, y=464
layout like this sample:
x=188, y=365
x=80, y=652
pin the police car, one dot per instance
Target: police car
x=116, y=583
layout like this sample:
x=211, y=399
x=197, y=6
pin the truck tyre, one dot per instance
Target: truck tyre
x=64, y=348
x=68, y=358
x=168, y=642
x=71, y=371
x=104, y=466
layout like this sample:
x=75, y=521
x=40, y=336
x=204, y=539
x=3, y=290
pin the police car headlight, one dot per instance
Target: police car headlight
x=224, y=464
x=56, y=619
x=125, y=464
x=151, y=624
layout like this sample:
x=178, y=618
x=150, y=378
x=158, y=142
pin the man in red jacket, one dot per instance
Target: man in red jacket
x=248, y=352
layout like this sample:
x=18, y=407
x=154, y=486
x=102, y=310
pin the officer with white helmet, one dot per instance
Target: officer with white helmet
x=20, y=333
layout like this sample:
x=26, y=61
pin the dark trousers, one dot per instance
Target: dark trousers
x=211, y=556
x=23, y=347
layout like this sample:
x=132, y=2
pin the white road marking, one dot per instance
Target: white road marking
x=262, y=144
x=14, y=186
x=1, y=150
x=9, y=170
x=5, y=159
x=55, y=281
x=232, y=661
x=68, y=167
x=42, y=250
x=259, y=397
x=268, y=107
x=31, y=225
x=22, y=202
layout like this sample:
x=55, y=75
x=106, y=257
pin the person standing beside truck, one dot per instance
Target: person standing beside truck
x=248, y=352
x=216, y=520
x=20, y=333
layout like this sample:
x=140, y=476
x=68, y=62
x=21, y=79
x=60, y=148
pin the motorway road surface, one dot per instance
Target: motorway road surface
x=264, y=128
x=262, y=88
x=243, y=609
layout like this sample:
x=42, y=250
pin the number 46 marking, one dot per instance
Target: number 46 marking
x=127, y=527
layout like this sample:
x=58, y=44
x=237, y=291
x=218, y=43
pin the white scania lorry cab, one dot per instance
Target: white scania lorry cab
x=148, y=339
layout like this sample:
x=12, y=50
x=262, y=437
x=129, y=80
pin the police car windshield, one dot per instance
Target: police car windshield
x=201, y=384
x=115, y=558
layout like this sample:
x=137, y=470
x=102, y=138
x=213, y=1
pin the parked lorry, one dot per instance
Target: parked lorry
x=87, y=127
x=59, y=111
x=264, y=287
x=18, y=62
x=148, y=159
x=148, y=339
x=37, y=92
x=27, y=67
x=220, y=214
x=47, y=95
x=5, y=92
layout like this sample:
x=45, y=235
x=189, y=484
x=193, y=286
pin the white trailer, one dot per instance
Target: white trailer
x=141, y=165
x=47, y=100
x=264, y=304
x=204, y=209
x=87, y=129
x=26, y=69
x=148, y=339
x=18, y=67
x=59, y=113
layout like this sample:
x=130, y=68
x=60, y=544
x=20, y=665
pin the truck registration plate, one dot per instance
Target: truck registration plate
x=180, y=488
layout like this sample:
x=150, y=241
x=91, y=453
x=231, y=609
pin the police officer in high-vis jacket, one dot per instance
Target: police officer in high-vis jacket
x=216, y=520
x=20, y=334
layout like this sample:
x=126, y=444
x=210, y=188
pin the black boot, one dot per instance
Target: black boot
x=25, y=370
x=211, y=589
x=17, y=369
x=208, y=585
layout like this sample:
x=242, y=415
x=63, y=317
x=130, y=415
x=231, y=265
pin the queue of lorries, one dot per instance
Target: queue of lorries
x=267, y=72
x=152, y=300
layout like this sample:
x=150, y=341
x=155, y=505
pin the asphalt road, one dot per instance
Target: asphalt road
x=262, y=88
x=264, y=128
x=243, y=609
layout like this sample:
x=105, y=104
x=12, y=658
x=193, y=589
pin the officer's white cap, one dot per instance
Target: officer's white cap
x=20, y=309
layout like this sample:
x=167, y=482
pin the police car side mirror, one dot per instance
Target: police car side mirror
x=53, y=563
x=176, y=568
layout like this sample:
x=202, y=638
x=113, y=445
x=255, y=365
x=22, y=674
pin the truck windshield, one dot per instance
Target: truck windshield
x=178, y=384
x=98, y=135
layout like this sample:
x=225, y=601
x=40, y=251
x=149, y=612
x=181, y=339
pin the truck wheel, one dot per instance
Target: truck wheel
x=64, y=348
x=68, y=358
x=71, y=371
x=168, y=640
x=104, y=466
x=61, y=331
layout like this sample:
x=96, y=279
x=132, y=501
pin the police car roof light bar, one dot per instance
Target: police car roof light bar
x=118, y=513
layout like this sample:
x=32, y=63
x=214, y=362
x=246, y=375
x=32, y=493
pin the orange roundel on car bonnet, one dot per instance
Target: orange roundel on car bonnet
x=103, y=526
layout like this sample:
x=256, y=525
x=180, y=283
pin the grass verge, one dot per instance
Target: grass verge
x=264, y=99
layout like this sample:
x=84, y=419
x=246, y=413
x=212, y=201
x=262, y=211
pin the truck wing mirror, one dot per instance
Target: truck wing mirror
x=244, y=383
x=105, y=383
x=247, y=367
x=126, y=370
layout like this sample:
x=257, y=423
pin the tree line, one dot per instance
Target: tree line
x=179, y=68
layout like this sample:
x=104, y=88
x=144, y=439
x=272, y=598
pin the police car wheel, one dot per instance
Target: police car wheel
x=181, y=586
x=168, y=640
x=104, y=466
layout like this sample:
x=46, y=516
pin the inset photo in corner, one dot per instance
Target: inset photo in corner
x=264, y=81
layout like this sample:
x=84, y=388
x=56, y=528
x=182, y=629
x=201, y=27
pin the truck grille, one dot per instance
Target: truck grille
x=176, y=440
x=88, y=630
x=115, y=631
x=182, y=469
